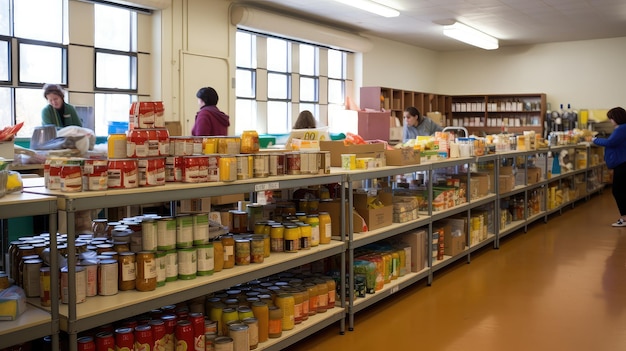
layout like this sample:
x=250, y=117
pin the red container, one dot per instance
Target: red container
x=124, y=339
x=143, y=338
x=85, y=343
x=277, y=164
x=158, y=333
x=181, y=146
x=153, y=143
x=137, y=143
x=159, y=115
x=105, y=341
x=203, y=169
x=174, y=169
x=213, y=170
x=292, y=163
x=151, y=171
x=71, y=178
x=96, y=172
x=191, y=169
x=141, y=115
x=164, y=142
x=122, y=174
x=184, y=335
x=197, y=322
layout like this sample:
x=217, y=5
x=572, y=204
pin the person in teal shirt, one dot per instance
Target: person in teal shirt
x=58, y=112
x=415, y=124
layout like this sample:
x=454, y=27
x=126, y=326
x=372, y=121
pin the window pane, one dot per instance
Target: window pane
x=246, y=116
x=245, y=83
x=5, y=10
x=4, y=60
x=308, y=89
x=41, y=64
x=335, y=92
x=115, y=71
x=246, y=50
x=277, y=58
x=277, y=86
x=112, y=28
x=335, y=64
x=28, y=106
x=111, y=108
x=39, y=20
x=308, y=60
x=278, y=117
x=5, y=112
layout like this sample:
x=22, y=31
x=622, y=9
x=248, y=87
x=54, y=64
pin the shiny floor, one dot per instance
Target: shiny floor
x=560, y=286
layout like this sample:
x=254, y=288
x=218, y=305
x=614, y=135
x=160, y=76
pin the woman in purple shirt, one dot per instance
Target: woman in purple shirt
x=209, y=120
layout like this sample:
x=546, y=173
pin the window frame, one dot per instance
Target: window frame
x=9, y=41
x=64, y=57
x=134, y=71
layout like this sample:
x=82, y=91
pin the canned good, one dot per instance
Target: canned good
x=249, y=142
x=122, y=174
x=166, y=233
x=142, y=114
x=205, y=259
x=261, y=165
x=228, y=145
x=203, y=169
x=228, y=242
x=158, y=334
x=314, y=221
x=116, y=146
x=276, y=165
x=144, y=339
x=242, y=252
x=81, y=285
x=54, y=173
x=161, y=268
x=171, y=265
x=218, y=255
x=31, y=277
x=96, y=172
x=286, y=303
x=200, y=228
x=153, y=143
x=253, y=332
x=224, y=343
x=184, y=231
x=107, y=277
x=197, y=323
x=85, y=343
x=244, y=166
x=163, y=136
x=308, y=163
x=71, y=178
x=184, y=335
x=239, y=222
x=187, y=266
x=105, y=341
x=229, y=315
x=124, y=339
x=174, y=169
x=151, y=171
x=149, y=234
x=146, y=277
x=292, y=163
x=91, y=270
x=159, y=116
x=257, y=249
x=239, y=333
x=170, y=322
x=137, y=143
x=213, y=168
x=227, y=168
x=191, y=169
x=275, y=324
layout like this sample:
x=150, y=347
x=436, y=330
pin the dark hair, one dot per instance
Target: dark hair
x=208, y=95
x=413, y=111
x=305, y=120
x=53, y=89
x=618, y=114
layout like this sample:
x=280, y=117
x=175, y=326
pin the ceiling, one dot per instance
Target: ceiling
x=513, y=22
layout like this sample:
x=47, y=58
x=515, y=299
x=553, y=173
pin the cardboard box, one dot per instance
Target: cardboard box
x=455, y=234
x=506, y=170
x=417, y=242
x=506, y=183
x=437, y=117
x=402, y=157
x=227, y=199
x=533, y=175
x=374, y=125
x=7, y=149
x=201, y=205
x=174, y=128
x=375, y=218
x=334, y=210
x=395, y=133
x=337, y=148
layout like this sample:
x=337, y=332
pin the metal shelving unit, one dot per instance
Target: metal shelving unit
x=35, y=322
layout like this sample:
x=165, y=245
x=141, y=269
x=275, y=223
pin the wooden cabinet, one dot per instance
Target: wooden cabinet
x=488, y=114
x=397, y=100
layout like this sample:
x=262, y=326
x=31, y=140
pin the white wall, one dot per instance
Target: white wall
x=588, y=74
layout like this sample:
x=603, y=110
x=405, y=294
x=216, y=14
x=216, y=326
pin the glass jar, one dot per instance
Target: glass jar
x=261, y=313
x=229, y=315
x=286, y=303
x=314, y=221
x=313, y=297
x=322, y=299
x=244, y=312
x=127, y=271
x=218, y=255
x=228, y=241
x=275, y=324
x=306, y=235
x=146, y=277
x=325, y=228
x=249, y=142
x=277, y=240
x=292, y=238
x=332, y=291
x=242, y=252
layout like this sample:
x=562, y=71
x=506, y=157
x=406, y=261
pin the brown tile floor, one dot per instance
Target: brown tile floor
x=560, y=286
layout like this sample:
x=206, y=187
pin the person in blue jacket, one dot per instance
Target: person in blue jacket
x=615, y=158
x=415, y=124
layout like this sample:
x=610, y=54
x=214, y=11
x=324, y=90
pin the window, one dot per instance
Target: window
x=293, y=76
x=114, y=106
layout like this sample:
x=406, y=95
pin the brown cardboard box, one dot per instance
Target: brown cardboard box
x=334, y=210
x=226, y=199
x=437, y=117
x=533, y=175
x=506, y=170
x=375, y=218
x=506, y=183
x=402, y=157
x=174, y=128
x=455, y=234
x=7, y=149
x=337, y=148
x=201, y=205
x=417, y=241
x=480, y=181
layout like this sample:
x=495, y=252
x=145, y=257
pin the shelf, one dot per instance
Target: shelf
x=388, y=171
x=362, y=239
x=451, y=162
x=25, y=204
x=483, y=200
x=512, y=227
x=99, y=310
x=312, y=325
x=536, y=217
x=490, y=239
x=450, y=211
x=437, y=265
x=518, y=189
x=389, y=289
x=34, y=323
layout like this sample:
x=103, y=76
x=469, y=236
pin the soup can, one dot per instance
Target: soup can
x=158, y=334
x=105, y=341
x=142, y=115
x=171, y=265
x=184, y=335
x=137, y=143
x=184, y=231
x=96, y=172
x=91, y=271
x=151, y=171
x=174, y=169
x=227, y=168
x=205, y=259
x=196, y=145
x=166, y=233
x=161, y=268
x=81, y=285
x=191, y=169
x=122, y=174
x=228, y=145
x=124, y=339
x=163, y=136
x=203, y=169
x=261, y=165
x=244, y=166
x=213, y=168
x=324, y=162
x=153, y=143
x=159, y=115
x=187, y=263
x=107, y=277
x=292, y=163
x=200, y=228
x=144, y=339
x=71, y=177
x=85, y=343
x=276, y=164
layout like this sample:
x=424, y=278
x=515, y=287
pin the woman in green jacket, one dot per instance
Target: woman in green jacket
x=58, y=112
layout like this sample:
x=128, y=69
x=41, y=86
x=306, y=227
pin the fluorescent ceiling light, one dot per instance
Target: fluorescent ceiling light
x=471, y=36
x=372, y=7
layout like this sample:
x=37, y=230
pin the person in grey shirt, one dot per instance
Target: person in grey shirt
x=415, y=124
